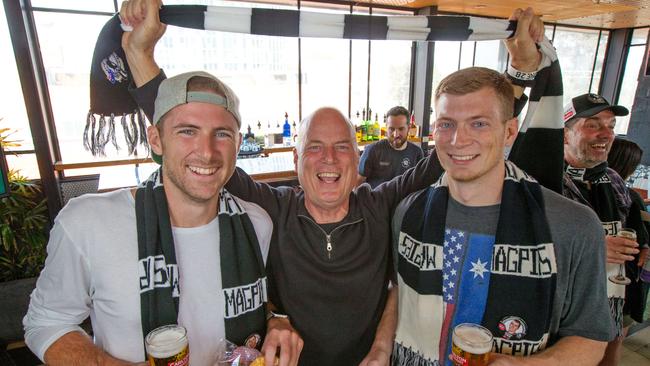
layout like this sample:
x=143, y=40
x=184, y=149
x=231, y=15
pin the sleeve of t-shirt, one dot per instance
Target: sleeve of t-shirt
x=365, y=162
x=145, y=96
x=61, y=300
x=585, y=311
x=423, y=174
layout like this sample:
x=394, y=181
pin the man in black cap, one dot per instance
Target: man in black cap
x=589, y=122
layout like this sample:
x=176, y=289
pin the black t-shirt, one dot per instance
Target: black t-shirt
x=380, y=162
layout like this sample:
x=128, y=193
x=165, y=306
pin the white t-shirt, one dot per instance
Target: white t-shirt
x=91, y=269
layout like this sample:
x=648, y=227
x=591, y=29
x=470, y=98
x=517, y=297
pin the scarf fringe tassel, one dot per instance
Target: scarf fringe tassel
x=99, y=132
x=404, y=356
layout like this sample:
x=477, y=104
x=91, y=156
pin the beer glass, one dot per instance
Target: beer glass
x=167, y=346
x=471, y=345
x=620, y=277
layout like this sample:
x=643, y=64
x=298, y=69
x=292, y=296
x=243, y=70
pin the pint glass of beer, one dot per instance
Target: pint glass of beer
x=471, y=345
x=167, y=346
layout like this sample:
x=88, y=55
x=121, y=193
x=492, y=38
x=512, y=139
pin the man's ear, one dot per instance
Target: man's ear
x=566, y=132
x=511, y=130
x=153, y=135
x=295, y=159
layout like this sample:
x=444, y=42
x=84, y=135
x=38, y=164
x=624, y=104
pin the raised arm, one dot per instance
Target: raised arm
x=423, y=174
x=139, y=44
x=539, y=146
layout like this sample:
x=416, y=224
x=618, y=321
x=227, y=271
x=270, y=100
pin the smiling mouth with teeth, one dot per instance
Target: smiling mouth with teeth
x=463, y=157
x=202, y=171
x=328, y=177
x=599, y=146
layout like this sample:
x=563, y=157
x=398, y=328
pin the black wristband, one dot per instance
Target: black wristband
x=520, y=78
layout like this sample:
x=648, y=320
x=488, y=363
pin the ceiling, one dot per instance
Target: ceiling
x=610, y=14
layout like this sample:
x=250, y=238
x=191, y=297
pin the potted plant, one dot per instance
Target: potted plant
x=23, y=238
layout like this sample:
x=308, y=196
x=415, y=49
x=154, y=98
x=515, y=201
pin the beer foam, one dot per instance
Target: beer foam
x=166, y=342
x=473, y=340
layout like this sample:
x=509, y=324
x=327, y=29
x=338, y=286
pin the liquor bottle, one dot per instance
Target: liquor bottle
x=376, y=129
x=364, y=126
x=250, y=136
x=286, y=131
x=413, y=129
x=384, y=128
x=370, y=130
x=357, y=128
x=269, y=140
x=294, y=132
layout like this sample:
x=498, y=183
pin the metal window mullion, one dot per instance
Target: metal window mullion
x=299, y=74
x=350, y=73
x=368, y=79
x=70, y=11
x=593, y=67
x=474, y=55
x=24, y=39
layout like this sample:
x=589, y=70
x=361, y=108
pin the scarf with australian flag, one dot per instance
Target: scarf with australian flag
x=447, y=277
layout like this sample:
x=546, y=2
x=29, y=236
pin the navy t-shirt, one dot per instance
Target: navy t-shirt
x=380, y=162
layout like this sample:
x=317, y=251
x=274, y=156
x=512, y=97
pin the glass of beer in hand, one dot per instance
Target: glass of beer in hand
x=167, y=346
x=471, y=345
x=620, y=277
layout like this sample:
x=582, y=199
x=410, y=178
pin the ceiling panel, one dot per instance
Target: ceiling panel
x=592, y=13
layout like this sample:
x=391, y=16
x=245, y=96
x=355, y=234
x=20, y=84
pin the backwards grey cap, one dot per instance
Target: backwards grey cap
x=173, y=92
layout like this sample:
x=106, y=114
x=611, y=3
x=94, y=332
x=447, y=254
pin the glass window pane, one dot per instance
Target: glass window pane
x=13, y=114
x=324, y=74
x=628, y=89
x=576, y=49
x=90, y=5
x=445, y=61
x=466, y=54
x=263, y=71
x=598, y=69
x=639, y=36
x=67, y=68
x=359, y=87
x=389, y=75
x=548, y=31
x=487, y=55
x=26, y=163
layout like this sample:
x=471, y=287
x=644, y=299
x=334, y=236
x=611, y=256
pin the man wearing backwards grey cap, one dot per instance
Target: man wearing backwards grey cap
x=161, y=253
x=589, y=122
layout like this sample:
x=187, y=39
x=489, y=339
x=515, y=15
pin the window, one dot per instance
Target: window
x=389, y=76
x=13, y=114
x=452, y=56
x=67, y=69
x=600, y=58
x=635, y=56
x=359, y=68
x=576, y=49
x=325, y=65
x=263, y=71
x=87, y=5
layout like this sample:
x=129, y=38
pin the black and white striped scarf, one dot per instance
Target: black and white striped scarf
x=243, y=277
x=522, y=228
x=110, y=76
x=602, y=189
